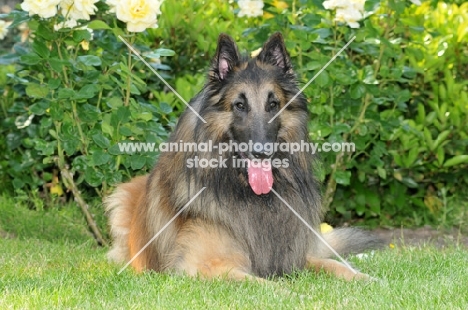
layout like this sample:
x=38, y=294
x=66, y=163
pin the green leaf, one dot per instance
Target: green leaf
x=329, y=110
x=80, y=163
x=133, y=89
x=160, y=52
x=36, y=90
x=411, y=157
x=382, y=173
x=87, y=91
x=357, y=91
x=428, y=137
x=165, y=108
x=440, y=138
x=344, y=78
x=66, y=93
x=90, y=60
x=81, y=35
x=102, y=141
x=360, y=200
x=125, y=131
x=421, y=114
x=98, y=24
x=100, y=157
x=30, y=59
x=46, y=33
x=312, y=20
x=115, y=150
x=343, y=177
x=39, y=108
x=57, y=110
x=372, y=5
x=397, y=158
x=114, y=102
x=373, y=200
x=57, y=64
x=45, y=147
x=17, y=183
x=71, y=146
x=146, y=116
x=120, y=116
x=19, y=17
x=362, y=130
x=456, y=160
x=89, y=113
x=114, y=178
x=314, y=65
x=107, y=128
x=440, y=156
x=322, y=79
x=54, y=83
x=41, y=49
x=361, y=175
x=94, y=177
x=431, y=116
x=409, y=182
x=369, y=76
x=137, y=162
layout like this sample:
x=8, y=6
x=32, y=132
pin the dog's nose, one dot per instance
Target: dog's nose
x=260, y=155
x=259, y=151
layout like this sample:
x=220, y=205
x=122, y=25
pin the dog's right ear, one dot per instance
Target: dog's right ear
x=226, y=58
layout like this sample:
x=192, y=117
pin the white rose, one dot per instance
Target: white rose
x=3, y=29
x=416, y=2
x=349, y=15
x=350, y=11
x=331, y=4
x=78, y=9
x=357, y=4
x=43, y=8
x=69, y=23
x=250, y=8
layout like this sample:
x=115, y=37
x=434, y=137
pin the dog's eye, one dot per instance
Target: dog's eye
x=240, y=106
x=273, y=104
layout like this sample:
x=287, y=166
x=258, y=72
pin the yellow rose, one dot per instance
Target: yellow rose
x=324, y=228
x=138, y=14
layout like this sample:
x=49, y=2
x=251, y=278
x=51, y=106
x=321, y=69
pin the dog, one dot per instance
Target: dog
x=240, y=225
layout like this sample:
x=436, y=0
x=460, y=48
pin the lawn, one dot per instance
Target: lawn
x=55, y=264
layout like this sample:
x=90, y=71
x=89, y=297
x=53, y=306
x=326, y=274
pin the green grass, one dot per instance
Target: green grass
x=47, y=267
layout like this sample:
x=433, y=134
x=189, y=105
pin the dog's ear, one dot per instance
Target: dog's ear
x=274, y=53
x=226, y=58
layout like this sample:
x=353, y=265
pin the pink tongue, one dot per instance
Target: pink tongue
x=260, y=177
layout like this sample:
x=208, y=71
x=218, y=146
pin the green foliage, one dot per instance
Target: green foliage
x=398, y=92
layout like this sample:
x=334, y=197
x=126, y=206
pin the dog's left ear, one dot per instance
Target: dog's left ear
x=274, y=52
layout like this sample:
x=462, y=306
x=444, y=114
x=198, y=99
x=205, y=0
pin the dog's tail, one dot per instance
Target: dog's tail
x=120, y=207
x=347, y=241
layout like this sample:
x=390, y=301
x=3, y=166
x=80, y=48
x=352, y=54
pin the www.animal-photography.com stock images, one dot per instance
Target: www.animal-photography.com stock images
x=241, y=154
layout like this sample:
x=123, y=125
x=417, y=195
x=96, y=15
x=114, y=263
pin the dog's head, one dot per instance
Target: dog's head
x=256, y=102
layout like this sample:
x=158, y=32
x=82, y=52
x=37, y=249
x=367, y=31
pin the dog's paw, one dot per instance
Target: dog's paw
x=364, y=277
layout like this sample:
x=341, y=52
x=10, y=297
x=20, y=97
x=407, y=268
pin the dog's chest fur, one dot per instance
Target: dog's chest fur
x=275, y=239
